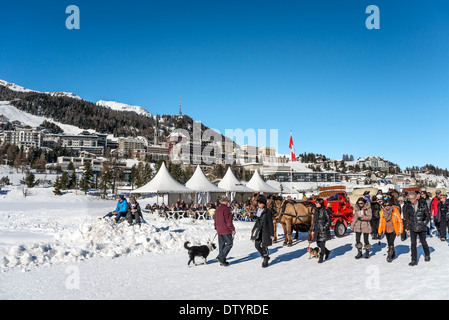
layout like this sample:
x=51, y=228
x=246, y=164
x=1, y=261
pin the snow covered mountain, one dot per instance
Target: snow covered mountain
x=118, y=106
x=15, y=87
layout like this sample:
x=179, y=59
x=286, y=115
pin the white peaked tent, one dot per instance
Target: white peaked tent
x=163, y=183
x=233, y=186
x=202, y=187
x=257, y=184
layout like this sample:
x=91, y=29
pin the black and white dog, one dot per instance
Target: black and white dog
x=199, y=251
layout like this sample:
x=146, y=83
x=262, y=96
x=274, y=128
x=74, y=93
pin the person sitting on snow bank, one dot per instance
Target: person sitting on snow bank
x=134, y=212
x=120, y=211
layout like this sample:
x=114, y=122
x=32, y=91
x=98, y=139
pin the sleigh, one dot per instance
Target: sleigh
x=336, y=200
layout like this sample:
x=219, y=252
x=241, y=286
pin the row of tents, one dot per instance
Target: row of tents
x=203, y=190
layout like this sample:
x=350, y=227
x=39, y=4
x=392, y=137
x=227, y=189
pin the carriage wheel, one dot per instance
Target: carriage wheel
x=340, y=229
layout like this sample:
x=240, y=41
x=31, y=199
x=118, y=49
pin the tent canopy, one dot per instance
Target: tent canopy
x=199, y=183
x=231, y=184
x=163, y=182
x=257, y=184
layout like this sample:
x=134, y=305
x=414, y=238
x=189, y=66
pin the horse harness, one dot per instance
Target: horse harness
x=296, y=217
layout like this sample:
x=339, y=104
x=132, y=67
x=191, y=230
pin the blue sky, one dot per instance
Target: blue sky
x=307, y=66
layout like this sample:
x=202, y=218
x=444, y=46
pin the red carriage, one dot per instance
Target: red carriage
x=336, y=200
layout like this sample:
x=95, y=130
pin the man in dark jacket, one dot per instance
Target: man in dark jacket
x=266, y=235
x=417, y=216
x=225, y=230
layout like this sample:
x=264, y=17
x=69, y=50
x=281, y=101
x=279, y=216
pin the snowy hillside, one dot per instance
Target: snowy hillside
x=15, y=87
x=12, y=113
x=124, y=107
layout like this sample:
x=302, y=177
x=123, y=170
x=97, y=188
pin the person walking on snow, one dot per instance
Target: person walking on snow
x=265, y=236
x=321, y=228
x=390, y=223
x=442, y=216
x=225, y=230
x=434, y=208
x=417, y=216
x=361, y=224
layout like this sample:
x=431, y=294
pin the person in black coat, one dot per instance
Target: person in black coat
x=321, y=228
x=417, y=216
x=442, y=216
x=265, y=235
x=375, y=209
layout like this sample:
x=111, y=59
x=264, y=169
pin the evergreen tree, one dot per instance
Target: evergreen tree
x=64, y=181
x=72, y=179
x=106, y=179
x=140, y=179
x=57, y=187
x=133, y=175
x=30, y=180
x=148, y=173
x=40, y=164
x=86, y=179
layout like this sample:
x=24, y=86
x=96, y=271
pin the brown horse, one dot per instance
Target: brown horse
x=296, y=216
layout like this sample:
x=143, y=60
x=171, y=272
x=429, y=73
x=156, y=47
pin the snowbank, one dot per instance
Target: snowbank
x=105, y=240
x=43, y=229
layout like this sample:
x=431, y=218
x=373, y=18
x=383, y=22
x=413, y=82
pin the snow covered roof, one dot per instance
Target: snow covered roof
x=163, y=182
x=231, y=183
x=257, y=184
x=199, y=183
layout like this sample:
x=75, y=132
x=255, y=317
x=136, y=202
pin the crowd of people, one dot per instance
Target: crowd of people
x=240, y=210
x=408, y=215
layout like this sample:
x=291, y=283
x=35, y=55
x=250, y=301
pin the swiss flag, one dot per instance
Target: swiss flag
x=292, y=148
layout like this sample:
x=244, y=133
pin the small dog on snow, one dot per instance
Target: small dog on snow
x=199, y=251
x=313, y=252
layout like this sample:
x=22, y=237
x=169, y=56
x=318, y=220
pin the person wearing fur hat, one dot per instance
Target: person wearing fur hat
x=265, y=230
x=361, y=224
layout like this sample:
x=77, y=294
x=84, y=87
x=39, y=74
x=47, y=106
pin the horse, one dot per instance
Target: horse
x=291, y=215
x=296, y=216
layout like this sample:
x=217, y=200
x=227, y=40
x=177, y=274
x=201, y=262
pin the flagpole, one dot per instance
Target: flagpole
x=292, y=156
